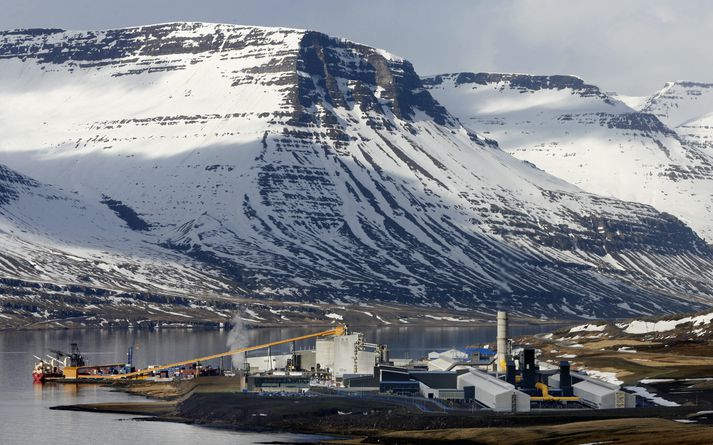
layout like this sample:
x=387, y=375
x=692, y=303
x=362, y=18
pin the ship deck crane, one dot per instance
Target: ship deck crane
x=337, y=331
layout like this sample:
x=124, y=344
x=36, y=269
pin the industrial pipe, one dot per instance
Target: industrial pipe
x=546, y=397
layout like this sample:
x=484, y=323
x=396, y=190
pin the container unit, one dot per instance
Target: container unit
x=492, y=392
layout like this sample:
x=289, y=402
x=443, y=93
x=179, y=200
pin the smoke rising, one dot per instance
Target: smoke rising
x=238, y=338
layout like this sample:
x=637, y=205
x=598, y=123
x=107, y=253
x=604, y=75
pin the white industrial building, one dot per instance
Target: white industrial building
x=324, y=352
x=493, y=392
x=262, y=363
x=346, y=354
x=597, y=393
x=603, y=395
x=447, y=361
x=440, y=393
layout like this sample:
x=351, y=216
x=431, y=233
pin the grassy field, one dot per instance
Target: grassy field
x=616, y=431
x=638, y=359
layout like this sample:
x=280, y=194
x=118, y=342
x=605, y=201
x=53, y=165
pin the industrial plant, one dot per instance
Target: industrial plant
x=507, y=379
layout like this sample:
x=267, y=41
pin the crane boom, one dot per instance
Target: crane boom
x=337, y=331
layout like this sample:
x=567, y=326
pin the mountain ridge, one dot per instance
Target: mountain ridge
x=589, y=138
x=300, y=166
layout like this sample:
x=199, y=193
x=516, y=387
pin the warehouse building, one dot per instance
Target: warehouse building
x=492, y=392
x=596, y=393
x=438, y=384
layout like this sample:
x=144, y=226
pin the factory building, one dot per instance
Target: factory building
x=264, y=363
x=496, y=379
x=300, y=360
x=438, y=384
x=341, y=355
x=347, y=354
x=396, y=380
x=492, y=392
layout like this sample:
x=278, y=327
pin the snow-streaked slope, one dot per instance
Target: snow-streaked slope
x=49, y=236
x=683, y=329
x=645, y=327
x=633, y=102
x=687, y=107
x=698, y=132
x=304, y=166
x=575, y=131
x=679, y=102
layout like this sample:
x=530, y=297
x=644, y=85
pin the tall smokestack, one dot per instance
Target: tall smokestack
x=528, y=370
x=565, y=379
x=510, y=373
x=502, y=340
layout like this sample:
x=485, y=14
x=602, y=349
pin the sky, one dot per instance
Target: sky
x=632, y=47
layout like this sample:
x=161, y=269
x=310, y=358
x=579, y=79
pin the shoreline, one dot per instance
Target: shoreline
x=216, y=410
x=227, y=325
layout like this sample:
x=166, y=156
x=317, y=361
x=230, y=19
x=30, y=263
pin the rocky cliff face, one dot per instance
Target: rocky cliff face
x=297, y=166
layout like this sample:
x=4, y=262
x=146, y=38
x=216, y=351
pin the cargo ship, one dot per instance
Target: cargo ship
x=53, y=367
x=72, y=367
x=45, y=370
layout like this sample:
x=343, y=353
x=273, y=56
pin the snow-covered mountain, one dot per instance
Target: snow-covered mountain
x=687, y=107
x=51, y=236
x=64, y=259
x=577, y=132
x=289, y=164
x=680, y=102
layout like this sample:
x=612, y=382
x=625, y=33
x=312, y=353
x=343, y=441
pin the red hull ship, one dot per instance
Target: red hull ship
x=53, y=368
x=41, y=377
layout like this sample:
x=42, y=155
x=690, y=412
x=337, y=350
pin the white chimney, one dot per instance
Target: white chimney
x=502, y=340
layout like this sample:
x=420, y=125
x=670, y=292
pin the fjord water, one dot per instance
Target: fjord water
x=25, y=417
